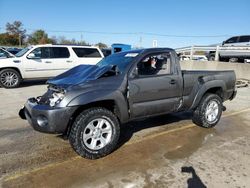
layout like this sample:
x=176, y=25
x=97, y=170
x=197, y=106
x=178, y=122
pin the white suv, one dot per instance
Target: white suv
x=45, y=61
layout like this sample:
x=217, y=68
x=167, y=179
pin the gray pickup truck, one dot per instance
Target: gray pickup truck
x=89, y=102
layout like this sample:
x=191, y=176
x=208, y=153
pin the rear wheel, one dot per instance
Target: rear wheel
x=95, y=133
x=209, y=111
x=233, y=60
x=211, y=57
x=9, y=78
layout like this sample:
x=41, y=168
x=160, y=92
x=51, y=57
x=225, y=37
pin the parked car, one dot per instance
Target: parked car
x=243, y=40
x=5, y=54
x=236, y=55
x=45, y=61
x=14, y=50
x=89, y=102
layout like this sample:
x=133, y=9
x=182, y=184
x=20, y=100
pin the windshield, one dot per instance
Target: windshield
x=4, y=54
x=23, y=51
x=122, y=60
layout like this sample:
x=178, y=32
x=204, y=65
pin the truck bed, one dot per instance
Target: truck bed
x=194, y=79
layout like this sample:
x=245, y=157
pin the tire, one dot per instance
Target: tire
x=86, y=137
x=233, y=60
x=201, y=115
x=9, y=78
x=211, y=57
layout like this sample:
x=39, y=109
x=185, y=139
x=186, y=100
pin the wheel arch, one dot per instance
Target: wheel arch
x=14, y=68
x=215, y=87
x=109, y=104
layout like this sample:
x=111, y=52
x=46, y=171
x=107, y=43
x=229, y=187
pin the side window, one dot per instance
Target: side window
x=244, y=39
x=41, y=53
x=46, y=52
x=155, y=64
x=59, y=52
x=231, y=40
x=87, y=52
x=37, y=53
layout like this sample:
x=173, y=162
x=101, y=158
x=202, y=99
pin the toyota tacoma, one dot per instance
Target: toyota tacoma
x=88, y=103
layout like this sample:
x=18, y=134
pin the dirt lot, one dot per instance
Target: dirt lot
x=152, y=152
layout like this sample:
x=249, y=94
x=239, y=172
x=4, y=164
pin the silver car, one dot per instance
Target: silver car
x=243, y=40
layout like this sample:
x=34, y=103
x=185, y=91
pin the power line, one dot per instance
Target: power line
x=130, y=33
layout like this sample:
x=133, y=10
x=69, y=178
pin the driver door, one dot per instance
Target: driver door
x=37, y=63
x=155, y=92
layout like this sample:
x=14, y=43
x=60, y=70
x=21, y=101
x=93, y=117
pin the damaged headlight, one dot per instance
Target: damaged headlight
x=56, y=98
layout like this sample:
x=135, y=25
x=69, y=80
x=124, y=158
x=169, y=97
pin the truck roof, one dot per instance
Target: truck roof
x=157, y=49
x=151, y=50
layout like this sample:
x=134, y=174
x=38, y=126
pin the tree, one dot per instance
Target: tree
x=39, y=37
x=15, y=30
x=101, y=45
x=8, y=40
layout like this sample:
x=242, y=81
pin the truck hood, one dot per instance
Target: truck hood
x=79, y=75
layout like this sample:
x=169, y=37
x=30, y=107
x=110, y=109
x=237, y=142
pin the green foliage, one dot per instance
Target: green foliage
x=14, y=35
x=39, y=37
x=8, y=40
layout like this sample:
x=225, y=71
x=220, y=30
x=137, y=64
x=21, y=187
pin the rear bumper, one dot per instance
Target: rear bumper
x=44, y=118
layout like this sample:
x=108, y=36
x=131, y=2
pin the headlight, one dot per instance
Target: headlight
x=56, y=98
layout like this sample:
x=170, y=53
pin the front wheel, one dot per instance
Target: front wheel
x=9, y=78
x=95, y=133
x=208, y=112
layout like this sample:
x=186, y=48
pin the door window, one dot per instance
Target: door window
x=231, y=40
x=87, y=52
x=244, y=39
x=41, y=53
x=157, y=64
x=59, y=52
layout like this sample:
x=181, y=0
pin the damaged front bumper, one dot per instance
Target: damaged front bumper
x=44, y=118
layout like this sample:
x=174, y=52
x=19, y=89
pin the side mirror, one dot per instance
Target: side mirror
x=32, y=56
x=223, y=43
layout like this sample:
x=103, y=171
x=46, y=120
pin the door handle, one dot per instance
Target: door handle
x=48, y=62
x=172, y=82
x=68, y=61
